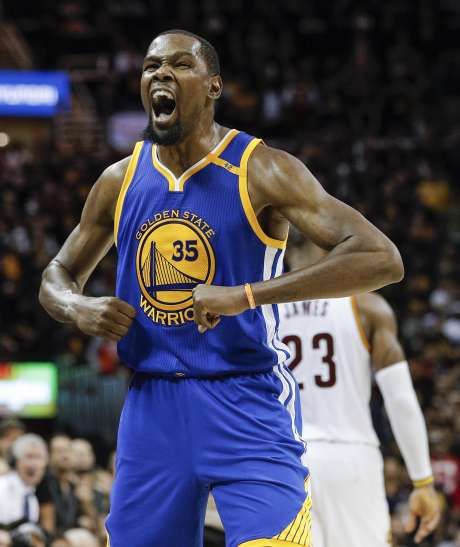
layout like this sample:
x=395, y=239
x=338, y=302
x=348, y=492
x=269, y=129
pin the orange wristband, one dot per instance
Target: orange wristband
x=249, y=295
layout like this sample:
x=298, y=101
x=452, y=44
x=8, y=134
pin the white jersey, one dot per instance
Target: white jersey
x=331, y=362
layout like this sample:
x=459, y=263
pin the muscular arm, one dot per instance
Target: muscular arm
x=360, y=258
x=63, y=280
x=403, y=409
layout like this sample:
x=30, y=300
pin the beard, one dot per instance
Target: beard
x=163, y=137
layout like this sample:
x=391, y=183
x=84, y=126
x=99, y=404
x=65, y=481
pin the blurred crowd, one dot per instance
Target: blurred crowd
x=366, y=93
x=51, y=494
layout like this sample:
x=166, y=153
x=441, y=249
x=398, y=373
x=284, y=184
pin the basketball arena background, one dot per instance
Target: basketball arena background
x=366, y=93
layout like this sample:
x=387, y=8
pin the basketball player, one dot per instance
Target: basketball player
x=336, y=344
x=199, y=214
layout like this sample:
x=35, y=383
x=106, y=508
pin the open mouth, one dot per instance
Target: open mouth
x=163, y=106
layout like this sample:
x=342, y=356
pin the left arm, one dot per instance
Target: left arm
x=360, y=257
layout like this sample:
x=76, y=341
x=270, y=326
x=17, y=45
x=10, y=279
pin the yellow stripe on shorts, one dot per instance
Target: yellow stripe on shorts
x=297, y=532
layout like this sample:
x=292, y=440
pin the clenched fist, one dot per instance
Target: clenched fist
x=107, y=316
x=212, y=301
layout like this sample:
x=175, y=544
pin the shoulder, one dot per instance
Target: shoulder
x=282, y=178
x=376, y=310
x=115, y=173
x=104, y=194
x=8, y=479
x=274, y=162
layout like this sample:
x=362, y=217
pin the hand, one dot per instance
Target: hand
x=423, y=503
x=211, y=301
x=106, y=316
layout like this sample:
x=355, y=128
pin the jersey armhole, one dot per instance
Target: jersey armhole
x=124, y=187
x=359, y=324
x=246, y=201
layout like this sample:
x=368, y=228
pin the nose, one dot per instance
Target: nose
x=163, y=73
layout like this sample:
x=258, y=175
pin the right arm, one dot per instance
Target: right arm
x=63, y=280
x=403, y=409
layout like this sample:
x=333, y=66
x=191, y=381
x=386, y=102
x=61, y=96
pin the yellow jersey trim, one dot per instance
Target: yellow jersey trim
x=359, y=324
x=177, y=184
x=124, y=187
x=246, y=200
x=226, y=165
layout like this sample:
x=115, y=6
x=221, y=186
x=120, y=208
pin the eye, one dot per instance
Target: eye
x=183, y=65
x=151, y=67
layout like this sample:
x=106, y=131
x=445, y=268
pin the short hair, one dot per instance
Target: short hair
x=21, y=444
x=207, y=50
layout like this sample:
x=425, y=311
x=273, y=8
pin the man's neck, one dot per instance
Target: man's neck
x=178, y=158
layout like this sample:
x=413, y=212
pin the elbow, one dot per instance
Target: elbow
x=388, y=264
x=42, y=294
x=394, y=264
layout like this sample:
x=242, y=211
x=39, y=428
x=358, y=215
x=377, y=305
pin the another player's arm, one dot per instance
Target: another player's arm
x=63, y=280
x=406, y=418
x=360, y=257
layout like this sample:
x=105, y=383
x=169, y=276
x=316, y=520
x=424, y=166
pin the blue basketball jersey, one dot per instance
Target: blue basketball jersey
x=174, y=233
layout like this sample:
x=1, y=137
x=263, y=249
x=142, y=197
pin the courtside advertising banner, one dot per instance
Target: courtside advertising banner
x=33, y=93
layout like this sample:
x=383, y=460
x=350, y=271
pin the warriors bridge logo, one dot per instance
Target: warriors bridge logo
x=174, y=255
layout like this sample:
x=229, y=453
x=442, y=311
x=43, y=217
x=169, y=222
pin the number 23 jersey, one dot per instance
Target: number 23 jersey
x=330, y=360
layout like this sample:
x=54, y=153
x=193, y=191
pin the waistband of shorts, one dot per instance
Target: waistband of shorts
x=179, y=376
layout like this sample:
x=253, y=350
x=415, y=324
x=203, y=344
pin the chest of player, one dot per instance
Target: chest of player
x=186, y=231
x=206, y=213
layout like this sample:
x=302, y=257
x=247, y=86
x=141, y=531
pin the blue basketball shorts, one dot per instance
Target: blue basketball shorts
x=237, y=436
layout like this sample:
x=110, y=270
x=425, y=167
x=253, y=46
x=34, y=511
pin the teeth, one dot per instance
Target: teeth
x=162, y=93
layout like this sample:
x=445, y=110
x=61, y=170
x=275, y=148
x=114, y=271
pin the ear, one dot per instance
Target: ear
x=215, y=87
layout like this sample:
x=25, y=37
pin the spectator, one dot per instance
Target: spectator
x=83, y=456
x=28, y=535
x=10, y=430
x=79, y=537
x=59, y=505
x=18, y=501
x=93, y=489
x=60, y=541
